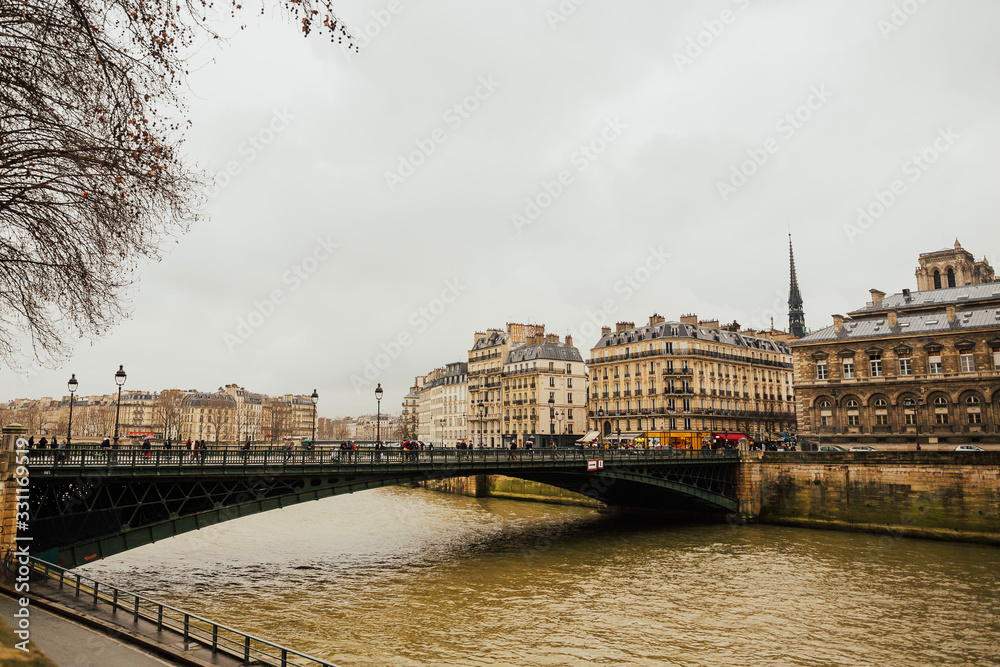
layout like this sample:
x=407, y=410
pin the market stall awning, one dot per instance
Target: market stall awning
x=591, y=435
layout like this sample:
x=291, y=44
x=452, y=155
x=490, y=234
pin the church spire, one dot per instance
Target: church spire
x=796, y=316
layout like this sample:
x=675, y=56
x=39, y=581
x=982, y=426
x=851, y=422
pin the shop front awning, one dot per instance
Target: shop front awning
x=730, y=437
x=624, y=436
x=591, y=435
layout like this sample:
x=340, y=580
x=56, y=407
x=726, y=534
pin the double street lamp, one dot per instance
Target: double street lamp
x=552, y=415
x=315, y=400
x=72, y=391
x=378, y=414
x=119, y=380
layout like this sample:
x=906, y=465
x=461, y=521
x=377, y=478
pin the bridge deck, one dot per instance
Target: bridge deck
x=241, y=462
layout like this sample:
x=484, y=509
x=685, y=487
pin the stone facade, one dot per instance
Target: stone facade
x=681, y=381
x=441, y=405
x=915, y=367
x=952, y=267
x=544, y=391
x=486, y=364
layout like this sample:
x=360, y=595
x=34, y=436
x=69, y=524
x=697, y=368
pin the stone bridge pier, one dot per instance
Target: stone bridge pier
x=8, y=487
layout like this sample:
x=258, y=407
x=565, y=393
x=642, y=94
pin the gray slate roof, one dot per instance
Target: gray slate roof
x=493, y=338
x=940, y=297
x=548, y=351
x=917, y=323
x=664, y=330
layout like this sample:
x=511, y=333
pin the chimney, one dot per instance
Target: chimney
x=877, y=296
x=478, y=337
x=605, y=331
x=624, y=326
x=689, y=319
x=893, y=317
x=569, y=341
x=838, y=322
x=551, y=338
x=655, y=319
x=951, y=312
x=711, y=324
x=906, y=294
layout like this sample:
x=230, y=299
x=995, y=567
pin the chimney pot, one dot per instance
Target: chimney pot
x=838, y=322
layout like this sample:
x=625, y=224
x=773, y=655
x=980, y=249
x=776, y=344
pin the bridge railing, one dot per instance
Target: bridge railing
x=215, y=636
x=238, y=458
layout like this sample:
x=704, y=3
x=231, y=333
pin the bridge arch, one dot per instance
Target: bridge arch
x=81, y=518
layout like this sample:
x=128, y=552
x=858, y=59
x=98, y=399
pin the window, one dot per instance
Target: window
x=935, y=364
x=852, y=419
x=937, y=280
x=996, y=358
x=909, y=412
x=552, y=382
x=821, y=372
x=875, y=363
x=941, y=410
x=968, y=364
x=687, y=423
x=569, y=368
x=951, y=277
x=569, y=398
x=552, y=365
x=881, y=420
x=848, y=368
x=569, y=383
x=973, y=408
x=905, y=366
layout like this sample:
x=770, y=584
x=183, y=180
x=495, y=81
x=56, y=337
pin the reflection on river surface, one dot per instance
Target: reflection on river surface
x=400, y=576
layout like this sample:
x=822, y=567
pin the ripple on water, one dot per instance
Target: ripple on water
x=409, y=577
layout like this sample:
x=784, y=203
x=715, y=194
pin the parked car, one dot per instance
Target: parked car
x=969, y=448
x=831, y=448
x=862, y=448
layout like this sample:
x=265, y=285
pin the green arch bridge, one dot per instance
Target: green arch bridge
x=89, y=504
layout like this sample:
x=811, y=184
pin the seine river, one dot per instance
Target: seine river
x=411, y=577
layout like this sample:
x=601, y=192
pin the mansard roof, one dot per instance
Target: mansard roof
x=966, y=294
x=924, y=322
x=546, y=351
x=701, y=333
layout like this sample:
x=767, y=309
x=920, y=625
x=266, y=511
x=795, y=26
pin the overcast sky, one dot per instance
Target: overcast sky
x=491, y=162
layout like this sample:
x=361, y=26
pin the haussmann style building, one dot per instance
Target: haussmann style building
x=680, y=383
x=914, y=367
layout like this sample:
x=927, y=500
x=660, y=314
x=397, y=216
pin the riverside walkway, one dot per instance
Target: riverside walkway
x=77, y=620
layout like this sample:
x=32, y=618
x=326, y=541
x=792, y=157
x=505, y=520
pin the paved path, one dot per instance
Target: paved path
x=71, y=645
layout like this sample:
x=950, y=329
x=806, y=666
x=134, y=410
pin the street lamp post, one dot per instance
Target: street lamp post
x=72, y=391
x=119, y=380
x=552, y=417
x=315, y=400
x=378, y=415
x=482, y=416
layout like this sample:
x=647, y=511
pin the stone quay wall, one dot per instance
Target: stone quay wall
x=937, y=495
x=511, y=488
